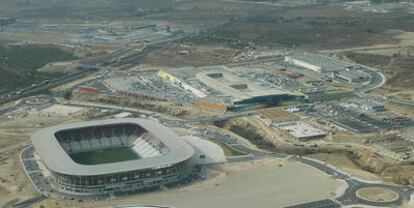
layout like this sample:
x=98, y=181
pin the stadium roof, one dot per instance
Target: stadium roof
x=58, y=160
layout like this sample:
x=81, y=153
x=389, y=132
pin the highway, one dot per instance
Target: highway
x=45, y=85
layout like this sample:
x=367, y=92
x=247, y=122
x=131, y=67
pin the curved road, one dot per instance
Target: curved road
x=349, y=196
x=378, y=79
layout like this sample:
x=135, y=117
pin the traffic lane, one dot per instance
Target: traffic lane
x=350, y=195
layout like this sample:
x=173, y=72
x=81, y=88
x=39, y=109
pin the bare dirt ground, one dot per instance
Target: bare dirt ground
x=160, y=107
x=14, y=136
x=353, y=156
x=407, y=39
x=179, y=55
x=59, y=67
x=264, y=183
x=344, y=163
x=377, y=194
x=395, y=61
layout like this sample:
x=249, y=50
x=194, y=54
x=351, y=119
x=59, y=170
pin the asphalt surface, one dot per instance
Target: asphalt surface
x=327, y=203
x=233, y=143
x=377, y=80
x=349, y=196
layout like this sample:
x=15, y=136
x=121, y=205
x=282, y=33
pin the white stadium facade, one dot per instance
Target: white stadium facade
x=117, y=155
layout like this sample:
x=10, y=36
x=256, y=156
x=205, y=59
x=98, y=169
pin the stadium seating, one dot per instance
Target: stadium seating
x=144, y=148
x=94, y=138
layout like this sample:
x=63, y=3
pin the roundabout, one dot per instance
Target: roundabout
x=37, y=100
x=377, y=194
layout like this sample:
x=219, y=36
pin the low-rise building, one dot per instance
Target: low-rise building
x=318, y=62
x=351, y=76
x=300, y=130
x=372, y=106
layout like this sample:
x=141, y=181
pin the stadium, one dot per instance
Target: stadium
x=112, y=156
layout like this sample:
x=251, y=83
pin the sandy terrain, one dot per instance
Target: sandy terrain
x=342, y=162
x=259, y=184
x=14, y=136
x=62, y=110
x=377, y=194
x=59, y=67
x=407, y=38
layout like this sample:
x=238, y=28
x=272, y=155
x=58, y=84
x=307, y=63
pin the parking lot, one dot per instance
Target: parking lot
x=356, y=121
x=150, y=84
x=268, y=79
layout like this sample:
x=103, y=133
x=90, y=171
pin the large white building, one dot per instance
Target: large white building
x=220, y=88
x=317, y=62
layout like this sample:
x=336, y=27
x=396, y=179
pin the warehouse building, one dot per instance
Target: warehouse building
x=351, y=76
x=317, y=62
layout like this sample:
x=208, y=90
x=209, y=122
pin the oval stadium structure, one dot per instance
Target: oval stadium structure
x=111, y=156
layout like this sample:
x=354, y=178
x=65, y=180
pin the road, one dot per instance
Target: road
x=232, y=143
x=349, y=196
x=327, y=203
x=377, y=80
x=44, y=86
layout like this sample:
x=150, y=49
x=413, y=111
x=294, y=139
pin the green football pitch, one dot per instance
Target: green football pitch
x=103, y=156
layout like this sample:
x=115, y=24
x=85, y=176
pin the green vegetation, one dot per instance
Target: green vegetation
x=79, y=9
x=317, y=27
x=328, y=96
x=398, y=67
x=369, y=59
x=19, y=64
x=229, y=41
x=32, y=56
x=104, y=156
x=227, y=150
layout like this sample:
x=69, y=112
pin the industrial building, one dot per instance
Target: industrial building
x=330, y=67
x=351, y=76
x=300, y=130
x=220, y=89
x=317, y=62
x=118, y=155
